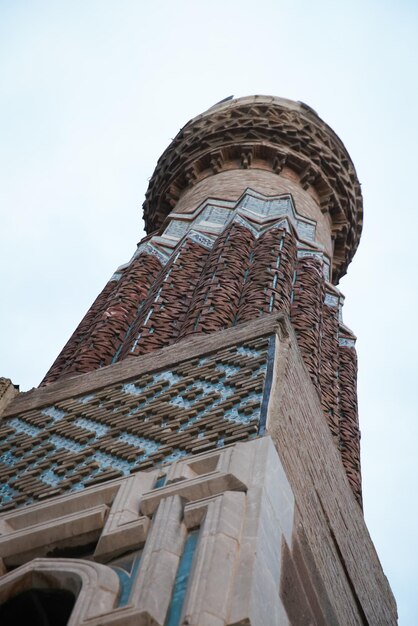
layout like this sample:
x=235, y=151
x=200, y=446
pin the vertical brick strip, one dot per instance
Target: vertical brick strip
x=166, y=306
x=268, y=282
x=328, y=371
x=217, y=295
x=64, y=359
x=106, y=329
x=306, y=313
x=349, y=427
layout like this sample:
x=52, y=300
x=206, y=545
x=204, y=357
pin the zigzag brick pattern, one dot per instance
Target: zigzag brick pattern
x=103, y=329
x=200, y=404
x=65, y=359
x=306, y=313
x=348, y=418
x=164, y=310
x=268, y=280
x=217, y=296
x=328, y=372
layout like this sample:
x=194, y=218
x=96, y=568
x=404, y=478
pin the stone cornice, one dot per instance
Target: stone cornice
x=263, y=133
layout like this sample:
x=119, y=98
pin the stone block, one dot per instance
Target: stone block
x=47, y=535
x=209, y=592
x=153, y=587
x=125, y=529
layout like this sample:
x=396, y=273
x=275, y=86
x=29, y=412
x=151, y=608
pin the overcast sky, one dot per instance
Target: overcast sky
x=92, y=91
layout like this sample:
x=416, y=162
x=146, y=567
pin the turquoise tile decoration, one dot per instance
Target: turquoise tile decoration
x=198, y=405
x=126, y=568
x=182, y=578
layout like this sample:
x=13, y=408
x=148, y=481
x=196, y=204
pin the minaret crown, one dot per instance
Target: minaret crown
x=264, y=133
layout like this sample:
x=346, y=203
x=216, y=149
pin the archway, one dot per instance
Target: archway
x=38, y=607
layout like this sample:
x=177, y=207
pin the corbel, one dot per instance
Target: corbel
x=279, y=161
x=246, y=158
x=217, y=161
x=307, y=177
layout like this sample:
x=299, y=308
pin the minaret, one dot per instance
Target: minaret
x=193, y=452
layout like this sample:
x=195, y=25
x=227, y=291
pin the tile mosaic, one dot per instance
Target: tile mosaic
x=157, y=418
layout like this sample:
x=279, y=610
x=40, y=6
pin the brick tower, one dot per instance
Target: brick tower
x=192, y=456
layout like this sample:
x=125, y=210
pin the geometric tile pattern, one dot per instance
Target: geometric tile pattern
x=197, y=405
x=212, y=216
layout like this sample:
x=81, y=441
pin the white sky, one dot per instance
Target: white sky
x=92, y=91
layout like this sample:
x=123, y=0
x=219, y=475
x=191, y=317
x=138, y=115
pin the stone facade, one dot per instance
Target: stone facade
x=192, y=456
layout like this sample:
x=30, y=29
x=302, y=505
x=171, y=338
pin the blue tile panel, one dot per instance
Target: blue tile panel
x=198, y=405
x=182, y=578
x=126, y=568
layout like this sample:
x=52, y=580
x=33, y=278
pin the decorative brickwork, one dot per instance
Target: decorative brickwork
x=267, y=133
x=166, y=307
x=224, y=522
x=307, y=306
x=268, y=281
x=214, y=258
x=99, y=335
x=197, y=405
x=328, y=372
x=217, y=298
x=348, y=414
x=224, y=264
